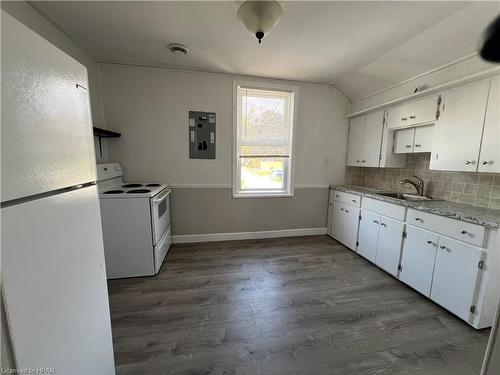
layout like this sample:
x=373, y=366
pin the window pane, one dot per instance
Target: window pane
x=264, y=123
x=262, y=173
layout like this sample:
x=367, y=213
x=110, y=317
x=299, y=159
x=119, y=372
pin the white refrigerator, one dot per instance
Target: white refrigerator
x=52, y=259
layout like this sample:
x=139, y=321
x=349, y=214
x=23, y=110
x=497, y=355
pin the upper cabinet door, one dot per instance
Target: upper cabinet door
x=389, y=245
x=459, y=128
x=355, y=143
x=372, y=139
x=395, y=117
x=423, y=138
x=418, y=111
x=46, y=124
x=403, y=141
x=489, y=159
x=456, y=274
x=421, y=111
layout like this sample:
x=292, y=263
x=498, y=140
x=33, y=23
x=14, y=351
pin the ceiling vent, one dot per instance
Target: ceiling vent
x=178, y=49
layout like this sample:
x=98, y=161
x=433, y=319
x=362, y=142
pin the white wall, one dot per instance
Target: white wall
x=149, y=106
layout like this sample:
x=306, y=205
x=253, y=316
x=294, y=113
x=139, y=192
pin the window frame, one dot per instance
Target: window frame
x=289, y=172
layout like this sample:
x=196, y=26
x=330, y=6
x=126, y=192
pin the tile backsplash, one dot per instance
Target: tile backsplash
x=480, y=189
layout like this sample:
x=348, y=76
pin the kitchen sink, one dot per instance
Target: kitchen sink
x=406, y=197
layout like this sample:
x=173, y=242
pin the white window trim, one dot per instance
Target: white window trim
x=263, y=194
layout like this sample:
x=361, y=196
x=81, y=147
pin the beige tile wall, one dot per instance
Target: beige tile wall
x=480, y=189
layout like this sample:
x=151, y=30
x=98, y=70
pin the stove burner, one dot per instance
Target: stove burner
x=153, y=185
x=114, y=192
x=138, y=191
x=131, y=185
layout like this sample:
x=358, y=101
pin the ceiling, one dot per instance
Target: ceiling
x=359, y=47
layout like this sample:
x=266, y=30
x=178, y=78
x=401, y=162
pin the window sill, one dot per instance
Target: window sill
x=263, y=195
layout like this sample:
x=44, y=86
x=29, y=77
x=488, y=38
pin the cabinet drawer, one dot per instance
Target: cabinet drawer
x=460, y=230
x=384, y=208
x=348, y=198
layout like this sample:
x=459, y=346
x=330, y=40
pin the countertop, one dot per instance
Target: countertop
x=487, y=217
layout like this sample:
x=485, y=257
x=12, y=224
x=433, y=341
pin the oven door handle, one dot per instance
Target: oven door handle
x=161, y=197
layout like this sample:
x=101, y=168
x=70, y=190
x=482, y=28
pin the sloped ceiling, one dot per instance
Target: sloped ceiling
x=359, y=47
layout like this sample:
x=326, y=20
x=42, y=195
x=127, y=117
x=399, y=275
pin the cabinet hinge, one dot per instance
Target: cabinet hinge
x=472, y=309
x=480, y=264
x=405, y=235
x=438, y=113
x=400, y=268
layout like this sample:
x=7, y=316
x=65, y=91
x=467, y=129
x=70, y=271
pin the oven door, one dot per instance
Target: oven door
x=160, y=214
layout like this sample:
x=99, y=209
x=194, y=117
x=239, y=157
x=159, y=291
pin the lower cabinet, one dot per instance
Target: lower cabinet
x=368, y=235
x=345, y=224
x=379, y=240
x=456, y=275
x=390, y=238
x=417, y=260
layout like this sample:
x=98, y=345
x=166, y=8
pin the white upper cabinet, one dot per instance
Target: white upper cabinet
x=424, y=136
x=458, y=131
x=370, y=143
x=415, y=112
x=489, y=158
x=417, y=139
x=355, y=143
x=372, y=139
x=403, y=141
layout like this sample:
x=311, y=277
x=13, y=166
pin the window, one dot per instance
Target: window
x=264, y=116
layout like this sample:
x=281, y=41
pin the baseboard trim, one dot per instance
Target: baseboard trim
x=191, y=238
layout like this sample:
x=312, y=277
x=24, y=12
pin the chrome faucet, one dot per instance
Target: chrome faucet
x=415, y=181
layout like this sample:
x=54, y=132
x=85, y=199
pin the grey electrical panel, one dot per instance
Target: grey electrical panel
x=201, y=135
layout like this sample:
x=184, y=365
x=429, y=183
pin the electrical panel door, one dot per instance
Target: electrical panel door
x=201, y=135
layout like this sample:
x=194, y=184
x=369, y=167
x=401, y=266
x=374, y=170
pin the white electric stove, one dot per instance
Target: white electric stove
x=135, y=223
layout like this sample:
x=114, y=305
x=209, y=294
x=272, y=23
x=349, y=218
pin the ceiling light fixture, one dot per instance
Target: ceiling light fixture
x=259, y=17
x=178, y=49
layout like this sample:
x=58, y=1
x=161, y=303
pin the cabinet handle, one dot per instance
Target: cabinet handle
x=346, y=211
x=408, y=146
x=418, y=145
x=375, y=221
x=404, y=118
x=357, y=161
x=485, y=162
x=464, y=232
x=383, y=224
x=469, y=162
x=443, y=247
x=353, y=201
x=413, y=117
x=342, y=209
x=430, y=242
x=336, y=196
x=418, y=219
x=363, y=161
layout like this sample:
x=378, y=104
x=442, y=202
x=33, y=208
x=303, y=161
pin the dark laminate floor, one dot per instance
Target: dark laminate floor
x=303, y=305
